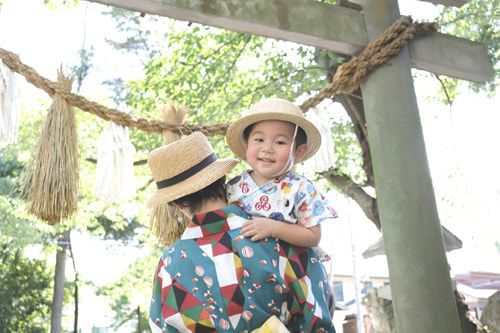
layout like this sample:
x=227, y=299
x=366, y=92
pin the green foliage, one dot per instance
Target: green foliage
x=32, y=118
x=123, y=228
x=82, y=70
x=10, y=168
x=477, y=20
x=18, y=230
x=347, y=150
x=207, y=69
x=140, y=35
x=218, y=74
x=25, y=292
x=330, y=59
x=9, y=165
x=55, y=4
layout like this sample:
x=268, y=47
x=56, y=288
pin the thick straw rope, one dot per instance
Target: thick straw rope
x=348, y=78
x=350, y=75
x=12, y=61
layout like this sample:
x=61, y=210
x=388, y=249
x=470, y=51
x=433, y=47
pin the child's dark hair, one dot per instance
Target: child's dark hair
x=194, y=201
x=300, y=138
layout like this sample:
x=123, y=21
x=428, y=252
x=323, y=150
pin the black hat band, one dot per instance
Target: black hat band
x=187, y=173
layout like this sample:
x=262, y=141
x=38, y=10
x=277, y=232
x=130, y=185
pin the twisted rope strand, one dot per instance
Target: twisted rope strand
x=350, y=75
x=12, y=61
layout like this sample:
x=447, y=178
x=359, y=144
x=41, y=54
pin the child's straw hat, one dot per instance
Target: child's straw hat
x=272, y=109
x=184, y=167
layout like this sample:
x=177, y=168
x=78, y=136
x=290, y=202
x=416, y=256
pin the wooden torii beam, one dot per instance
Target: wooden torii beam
x=421, y=288
x=314, y=23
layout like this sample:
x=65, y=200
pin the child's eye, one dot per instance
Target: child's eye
x=258, y=140
x=280, y=142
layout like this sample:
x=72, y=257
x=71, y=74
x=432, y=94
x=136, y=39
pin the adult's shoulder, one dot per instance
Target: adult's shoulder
x=235, y=211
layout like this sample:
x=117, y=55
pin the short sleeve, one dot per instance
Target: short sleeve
x=312, y=206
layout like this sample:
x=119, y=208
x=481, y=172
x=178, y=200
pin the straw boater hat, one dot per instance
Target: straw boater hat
x=184, y=167
x=272, y=109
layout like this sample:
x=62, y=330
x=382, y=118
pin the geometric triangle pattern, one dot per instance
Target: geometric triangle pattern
x=219, y=281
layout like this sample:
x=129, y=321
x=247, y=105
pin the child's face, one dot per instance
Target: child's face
x=269, y=150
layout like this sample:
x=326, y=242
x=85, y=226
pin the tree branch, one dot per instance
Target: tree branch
x=136, y=163
x=367, y=203
x=353, y=104
x=448, y=98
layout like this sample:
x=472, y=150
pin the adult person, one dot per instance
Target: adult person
x=215, y=280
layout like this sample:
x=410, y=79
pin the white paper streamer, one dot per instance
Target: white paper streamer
x=115, y=180
x=323, y=159
x=9, y=106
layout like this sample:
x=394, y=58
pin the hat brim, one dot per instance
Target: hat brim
x=194, y=183
x=234, y=134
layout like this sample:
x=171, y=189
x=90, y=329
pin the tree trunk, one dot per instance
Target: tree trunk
x=75, y=322
x=139, y=326
x=59, y=279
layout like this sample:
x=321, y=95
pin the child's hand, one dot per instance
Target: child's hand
x=259, y=228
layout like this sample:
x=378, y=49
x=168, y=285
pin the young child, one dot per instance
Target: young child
x=272, y=137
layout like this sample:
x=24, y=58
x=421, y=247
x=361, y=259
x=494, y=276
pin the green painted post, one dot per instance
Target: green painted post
x=421, y=287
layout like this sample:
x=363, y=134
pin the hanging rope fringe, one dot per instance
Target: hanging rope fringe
x=168, y=222
x=52, y=175
x=348, y=78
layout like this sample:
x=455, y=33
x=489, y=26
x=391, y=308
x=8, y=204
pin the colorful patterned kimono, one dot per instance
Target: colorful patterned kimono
x=290, y=198
x=215, y=280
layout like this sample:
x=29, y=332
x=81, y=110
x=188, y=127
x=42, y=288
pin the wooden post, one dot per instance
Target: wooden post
x=421, y=286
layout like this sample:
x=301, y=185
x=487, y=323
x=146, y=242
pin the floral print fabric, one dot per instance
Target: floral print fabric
x=290, y=197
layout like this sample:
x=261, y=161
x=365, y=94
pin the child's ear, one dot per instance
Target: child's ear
x=300, y=152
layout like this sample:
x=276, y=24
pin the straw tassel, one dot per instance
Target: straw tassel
x=168, y=222
x=52, y=174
